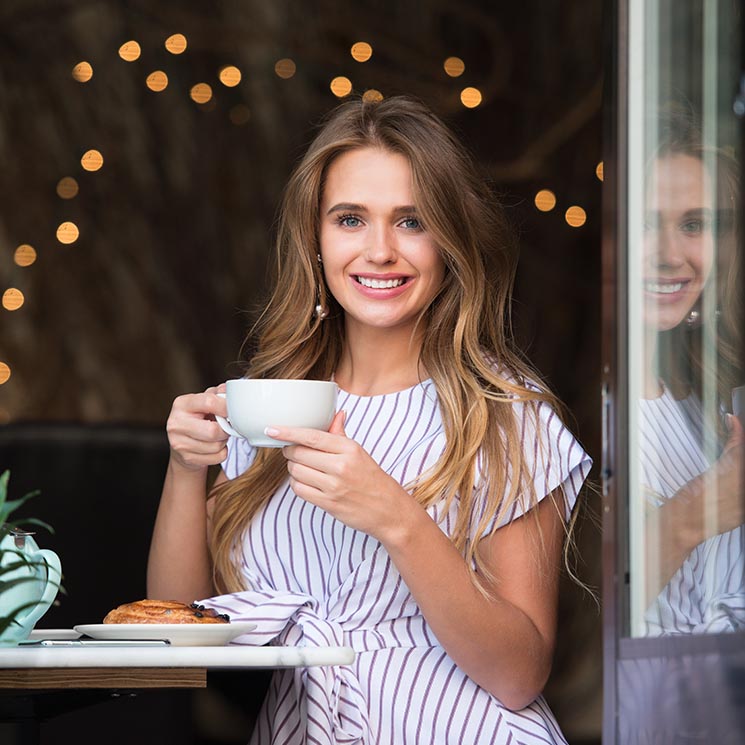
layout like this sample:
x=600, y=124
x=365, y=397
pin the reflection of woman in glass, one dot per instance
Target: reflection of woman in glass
x=691, y=450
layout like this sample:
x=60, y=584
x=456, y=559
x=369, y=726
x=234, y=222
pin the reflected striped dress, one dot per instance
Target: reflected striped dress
x=315, y=581
x=707, y=593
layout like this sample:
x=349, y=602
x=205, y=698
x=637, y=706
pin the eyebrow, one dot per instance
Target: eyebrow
x=406, y=209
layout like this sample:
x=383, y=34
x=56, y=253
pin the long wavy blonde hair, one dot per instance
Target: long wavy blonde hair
x=467, y=348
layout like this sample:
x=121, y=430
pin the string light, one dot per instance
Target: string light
x=201, y=93
x=92, y=160
x=599, y=170
x=229, y=76
x=157, y=81
x=130, y=51
x=371, y=95
x=24, y=255
x=470, y=97
x=67, y=233
x=67, y=188
x=176, y=44
x=575, y=216
x=82, y=72
x=4, y=373
x=545, y=200
x=454, y=66
x=341, y=86
x=361, y=51
x=285, y=68
x=13, y=299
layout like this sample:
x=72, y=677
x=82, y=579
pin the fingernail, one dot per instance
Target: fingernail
x=271, y=431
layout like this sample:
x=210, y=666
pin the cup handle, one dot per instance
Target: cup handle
x=54, y=579
x=225, y=424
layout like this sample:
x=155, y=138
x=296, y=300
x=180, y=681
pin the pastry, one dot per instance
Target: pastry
x=164, y=611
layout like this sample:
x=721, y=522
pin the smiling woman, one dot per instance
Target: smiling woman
x=445, y=480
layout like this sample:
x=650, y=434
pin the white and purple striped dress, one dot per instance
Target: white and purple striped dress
x=315, y=581
x=707, y=593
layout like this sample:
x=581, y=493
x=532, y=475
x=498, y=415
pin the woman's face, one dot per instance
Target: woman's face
x=380, y=263
x=678, y=242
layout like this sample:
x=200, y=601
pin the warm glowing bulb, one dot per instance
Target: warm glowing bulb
x=176, y=44
x=341, y=86
x=372, y=95
x=67, y=188
x=82, y=72
x=12, y=299
x=599, y=170
x=4, y=373
x=361, y=51
x=230, y=76
x=92, y=160
x=67, y=232
x=201, y=93
x=470, y=97
x=545, y=200
x=130, y=51
x=285, y=68
x=157, y=81
x=454, y=66
x=575, y=216
x=24, y=255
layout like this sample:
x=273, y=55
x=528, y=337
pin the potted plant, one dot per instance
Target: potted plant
x=29, y=577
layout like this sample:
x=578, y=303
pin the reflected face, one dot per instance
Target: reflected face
x=379, y=262
x=679, y=239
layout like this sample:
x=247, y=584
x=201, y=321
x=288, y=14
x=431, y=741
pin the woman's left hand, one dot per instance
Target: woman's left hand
x=336, y=474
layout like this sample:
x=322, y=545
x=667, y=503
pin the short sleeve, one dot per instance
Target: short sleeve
x=553, y=459
x=240, y=456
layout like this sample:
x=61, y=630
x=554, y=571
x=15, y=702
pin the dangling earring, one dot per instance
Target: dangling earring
x=321, y=311
x=693, y=319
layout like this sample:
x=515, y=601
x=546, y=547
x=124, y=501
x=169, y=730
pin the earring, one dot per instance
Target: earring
x=321, y=311
x=693, y=319
x=320, y=260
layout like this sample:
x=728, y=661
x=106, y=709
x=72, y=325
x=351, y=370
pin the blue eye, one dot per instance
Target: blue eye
x=349, y=221
x=411, y=223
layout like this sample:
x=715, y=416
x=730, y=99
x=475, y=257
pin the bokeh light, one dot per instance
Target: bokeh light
x=157, y=81
x=545, y=200
x=24, y=255
x=372, y=95
x=67, y=233
x=92, y=160
x=599, y=170
x=240, y=114
x=67, y=188
x=285, y=68
x=13, y=299
x=176, y=44
x=82, y=72
x=575, y=216
x=130, y=51
x=454, y=66
x=229, y=76
x=361, y=51
x=470, y=97
x=341, y=86
x=200, y=93
x=4, y=373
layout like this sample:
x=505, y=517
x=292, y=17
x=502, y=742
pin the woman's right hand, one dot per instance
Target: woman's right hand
x=196, y=439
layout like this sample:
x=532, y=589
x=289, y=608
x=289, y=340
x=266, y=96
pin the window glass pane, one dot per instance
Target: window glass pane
x=686, y=542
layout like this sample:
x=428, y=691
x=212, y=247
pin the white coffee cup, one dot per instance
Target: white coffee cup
x=255, y=404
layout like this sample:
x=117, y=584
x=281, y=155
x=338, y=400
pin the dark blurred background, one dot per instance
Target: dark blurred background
x=154, y=296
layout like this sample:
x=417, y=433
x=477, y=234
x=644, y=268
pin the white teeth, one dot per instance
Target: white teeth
x=380, y=284
x=663, y=288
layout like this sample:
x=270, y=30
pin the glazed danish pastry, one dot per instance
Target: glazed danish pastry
x=164, y=611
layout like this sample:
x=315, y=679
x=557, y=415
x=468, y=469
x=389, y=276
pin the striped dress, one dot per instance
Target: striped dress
x=315, y=581
x=707, y=593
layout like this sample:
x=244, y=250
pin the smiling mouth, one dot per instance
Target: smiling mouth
x=663, y=288
x=380, y=284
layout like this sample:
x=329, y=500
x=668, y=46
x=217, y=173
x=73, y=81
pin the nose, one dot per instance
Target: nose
x=381, y=246
x=663, y=247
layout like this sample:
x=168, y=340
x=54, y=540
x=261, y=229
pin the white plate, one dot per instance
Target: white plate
x=179, y=634
x=64, y=634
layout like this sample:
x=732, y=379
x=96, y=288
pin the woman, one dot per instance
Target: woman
x=425, y=529
x=691, y=456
